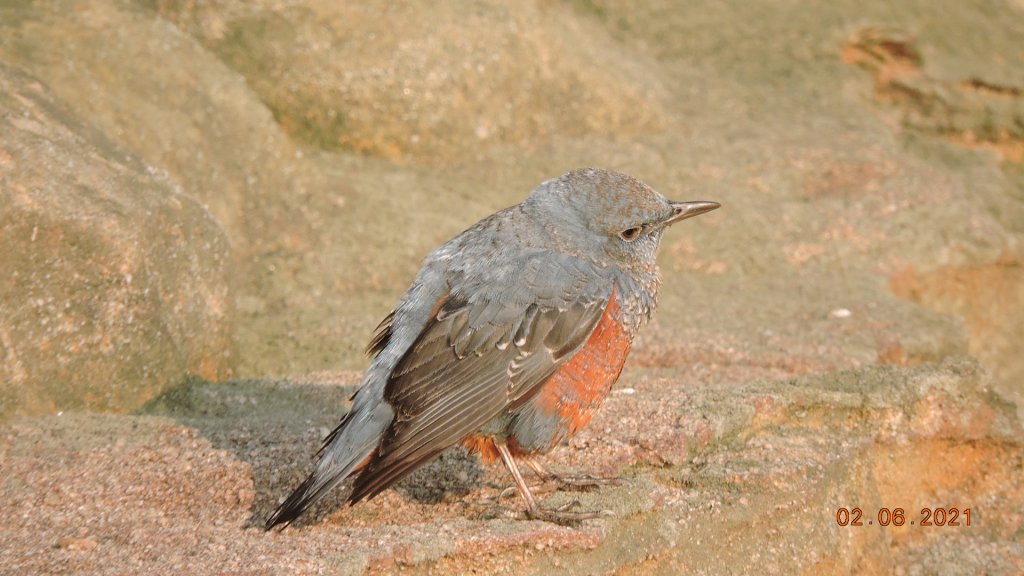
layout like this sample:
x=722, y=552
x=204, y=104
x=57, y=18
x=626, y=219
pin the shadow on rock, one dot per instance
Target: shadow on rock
x=277, y=426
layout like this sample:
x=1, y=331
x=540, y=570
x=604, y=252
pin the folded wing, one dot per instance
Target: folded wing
x=474, y=360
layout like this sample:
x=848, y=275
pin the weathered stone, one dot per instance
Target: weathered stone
x=116, y=283
x=761, y=488
x=159, y=95
x=868, y=158
x=374, y=77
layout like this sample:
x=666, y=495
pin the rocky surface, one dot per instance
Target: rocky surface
x=116, y=283
x=269, y=174
x=372, y=78
x=715, y=477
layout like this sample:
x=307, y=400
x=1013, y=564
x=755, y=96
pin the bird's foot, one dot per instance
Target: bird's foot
x=563, y=516
x=573, y=483
x=554, y=483
x=584, y=482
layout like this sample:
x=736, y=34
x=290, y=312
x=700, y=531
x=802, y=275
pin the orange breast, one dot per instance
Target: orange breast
x=576, y=391
x=570, y=397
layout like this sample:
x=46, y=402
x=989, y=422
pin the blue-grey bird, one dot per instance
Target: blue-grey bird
x=509, y=338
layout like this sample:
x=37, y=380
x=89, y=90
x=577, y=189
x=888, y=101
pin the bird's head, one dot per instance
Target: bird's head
x=610, y=217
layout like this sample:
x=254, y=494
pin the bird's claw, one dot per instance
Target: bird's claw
x=563, y=517
x=584, y=483
x=568, y=505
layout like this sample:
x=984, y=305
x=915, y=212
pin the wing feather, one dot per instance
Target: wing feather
x=381, y=335
x=458, y=376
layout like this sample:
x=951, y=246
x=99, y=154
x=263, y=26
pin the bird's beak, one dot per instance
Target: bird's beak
x=684, y=210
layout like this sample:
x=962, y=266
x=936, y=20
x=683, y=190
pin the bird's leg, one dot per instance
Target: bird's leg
x=510, y=463
x=559, y=516
x=542, y=474
x=582, y=483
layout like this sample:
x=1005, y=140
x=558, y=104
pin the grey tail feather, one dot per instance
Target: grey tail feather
x=343, y=451
x=295, y=505
x=324, y=478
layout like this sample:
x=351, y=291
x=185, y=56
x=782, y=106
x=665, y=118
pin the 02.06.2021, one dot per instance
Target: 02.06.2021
x=897, y=517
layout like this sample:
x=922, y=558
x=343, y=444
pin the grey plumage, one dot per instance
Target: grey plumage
x=492, y=315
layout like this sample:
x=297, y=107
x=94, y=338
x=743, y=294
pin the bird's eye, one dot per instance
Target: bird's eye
x=630, y=234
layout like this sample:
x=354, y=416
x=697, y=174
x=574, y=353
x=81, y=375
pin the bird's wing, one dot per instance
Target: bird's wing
x=477, y=357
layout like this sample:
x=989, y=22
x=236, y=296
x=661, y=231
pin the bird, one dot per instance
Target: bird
x=507, y=341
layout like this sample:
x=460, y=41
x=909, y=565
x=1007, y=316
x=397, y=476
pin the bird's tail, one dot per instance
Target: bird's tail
x=345, y=451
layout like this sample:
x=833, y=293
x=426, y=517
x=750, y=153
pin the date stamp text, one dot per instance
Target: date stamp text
x=899, y=517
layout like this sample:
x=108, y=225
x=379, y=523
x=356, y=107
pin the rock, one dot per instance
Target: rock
x=106, y=490
x=806, y=356
x=190, y=118
x=764, y=486
x=159, y=95
x=116, y=283
x=829, y=192
x=372, y=78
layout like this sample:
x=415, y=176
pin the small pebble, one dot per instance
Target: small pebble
x=77, y=544
x=840, y=313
